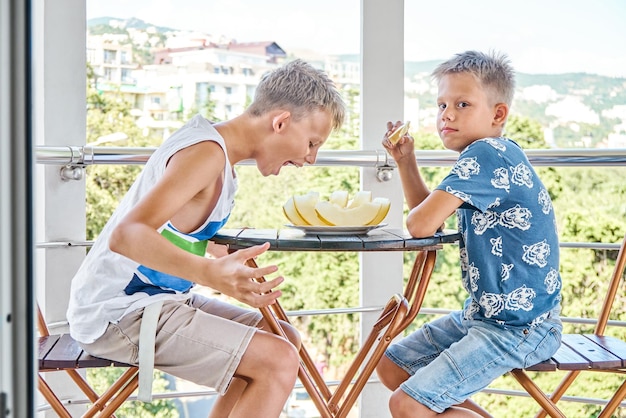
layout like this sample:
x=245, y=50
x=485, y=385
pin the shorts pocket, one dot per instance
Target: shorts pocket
x=548, y=345
x=114, y=345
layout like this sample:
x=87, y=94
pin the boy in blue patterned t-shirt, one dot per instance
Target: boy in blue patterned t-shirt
x=509, y=249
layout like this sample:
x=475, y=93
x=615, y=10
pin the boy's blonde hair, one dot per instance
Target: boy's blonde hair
x=300, y=88
x=493, y=71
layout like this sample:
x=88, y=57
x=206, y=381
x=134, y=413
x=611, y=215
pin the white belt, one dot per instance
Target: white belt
x=147, y=336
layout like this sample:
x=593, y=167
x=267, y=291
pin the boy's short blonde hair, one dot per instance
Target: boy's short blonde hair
x=493, y=71
x=300, y=88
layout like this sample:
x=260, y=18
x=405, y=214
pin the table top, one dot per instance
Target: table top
x=384, y=239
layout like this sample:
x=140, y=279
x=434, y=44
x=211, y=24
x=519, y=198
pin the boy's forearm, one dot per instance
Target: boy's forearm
x=147, y=247
x=413, y=185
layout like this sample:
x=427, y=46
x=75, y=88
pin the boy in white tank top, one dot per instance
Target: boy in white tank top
x=152, y=250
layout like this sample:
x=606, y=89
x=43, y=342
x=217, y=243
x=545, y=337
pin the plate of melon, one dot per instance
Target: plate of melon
x=337, y=215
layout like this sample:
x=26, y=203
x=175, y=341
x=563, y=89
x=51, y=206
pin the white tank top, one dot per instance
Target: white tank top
x=109, y=285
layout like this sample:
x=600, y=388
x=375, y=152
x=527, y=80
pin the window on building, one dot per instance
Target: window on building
x=127, y=75
x=110, y=56
x=202, y=94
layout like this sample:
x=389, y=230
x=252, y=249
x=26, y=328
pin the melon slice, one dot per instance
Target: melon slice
x=360, y=198
x=289, y=209
x=385, y=204
x=305, y=206
x=357, y=216
x=339, y=198
x=400, y=132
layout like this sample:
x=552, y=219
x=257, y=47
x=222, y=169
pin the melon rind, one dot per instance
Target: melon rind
x=357, y=216
x=305, y=206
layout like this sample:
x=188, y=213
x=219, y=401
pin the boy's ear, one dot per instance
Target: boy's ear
x=500, y=114
x=280, y=121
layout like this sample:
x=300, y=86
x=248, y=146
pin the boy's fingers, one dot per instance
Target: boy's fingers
x=267, y=286
x=266, y=299
x=251, y=252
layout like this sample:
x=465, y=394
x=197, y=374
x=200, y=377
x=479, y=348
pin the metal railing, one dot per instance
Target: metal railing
x=85, y=155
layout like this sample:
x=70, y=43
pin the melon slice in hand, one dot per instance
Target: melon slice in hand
x=399, y=133
x=305, y=206
x=356, y=216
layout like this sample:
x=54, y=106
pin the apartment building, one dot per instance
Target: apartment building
x=216, y=79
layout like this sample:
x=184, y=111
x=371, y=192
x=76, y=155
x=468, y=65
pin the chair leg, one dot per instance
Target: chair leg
x=52, y=399
x=614, y=402
x=83, y=385
x=537, y=394
x=123, y=387
x=560, y=390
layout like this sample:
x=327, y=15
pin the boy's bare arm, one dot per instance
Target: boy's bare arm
x=192, y=172
x=426, y=218
x=428, y=211
x=403, y=152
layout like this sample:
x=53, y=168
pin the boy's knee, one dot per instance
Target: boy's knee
x=286, y=359
x=292, y=334
x=402, y=405
x=386, y=372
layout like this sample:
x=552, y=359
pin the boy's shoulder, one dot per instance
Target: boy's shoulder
x=495, y=144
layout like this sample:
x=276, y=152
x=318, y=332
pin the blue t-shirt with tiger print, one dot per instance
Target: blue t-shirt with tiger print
x=509, y=247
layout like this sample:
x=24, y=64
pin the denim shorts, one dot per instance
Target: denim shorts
x=451, y=358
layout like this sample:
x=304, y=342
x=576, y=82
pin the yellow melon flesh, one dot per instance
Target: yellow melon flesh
x=360, y=198
x=339, y=198
x=356, y=216
x=400, y=132
x=289, y=209
x=305, y=206
x=385, y=204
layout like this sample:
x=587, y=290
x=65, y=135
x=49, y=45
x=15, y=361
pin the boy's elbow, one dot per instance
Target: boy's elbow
x=116, y=241
x=420, y=230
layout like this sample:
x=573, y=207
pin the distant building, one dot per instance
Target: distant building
x=222, y=77
x=111, y=57
x=198, y=75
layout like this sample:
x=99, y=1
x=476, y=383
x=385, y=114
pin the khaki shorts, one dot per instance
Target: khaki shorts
x=201, y=340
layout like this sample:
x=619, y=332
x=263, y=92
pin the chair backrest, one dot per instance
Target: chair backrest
x=42, y=326
x=616, y=278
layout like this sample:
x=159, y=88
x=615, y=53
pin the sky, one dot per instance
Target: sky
x=539, y=36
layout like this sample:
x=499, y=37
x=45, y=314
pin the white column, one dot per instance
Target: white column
x=382, y=98
x=59, y=119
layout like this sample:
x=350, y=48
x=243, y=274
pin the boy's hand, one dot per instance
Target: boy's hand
x=403, y=148
x=216, y=250
x=232, y=277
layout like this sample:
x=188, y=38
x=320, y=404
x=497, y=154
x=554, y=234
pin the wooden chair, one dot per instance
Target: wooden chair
x=584, y=352
x=60, y=352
